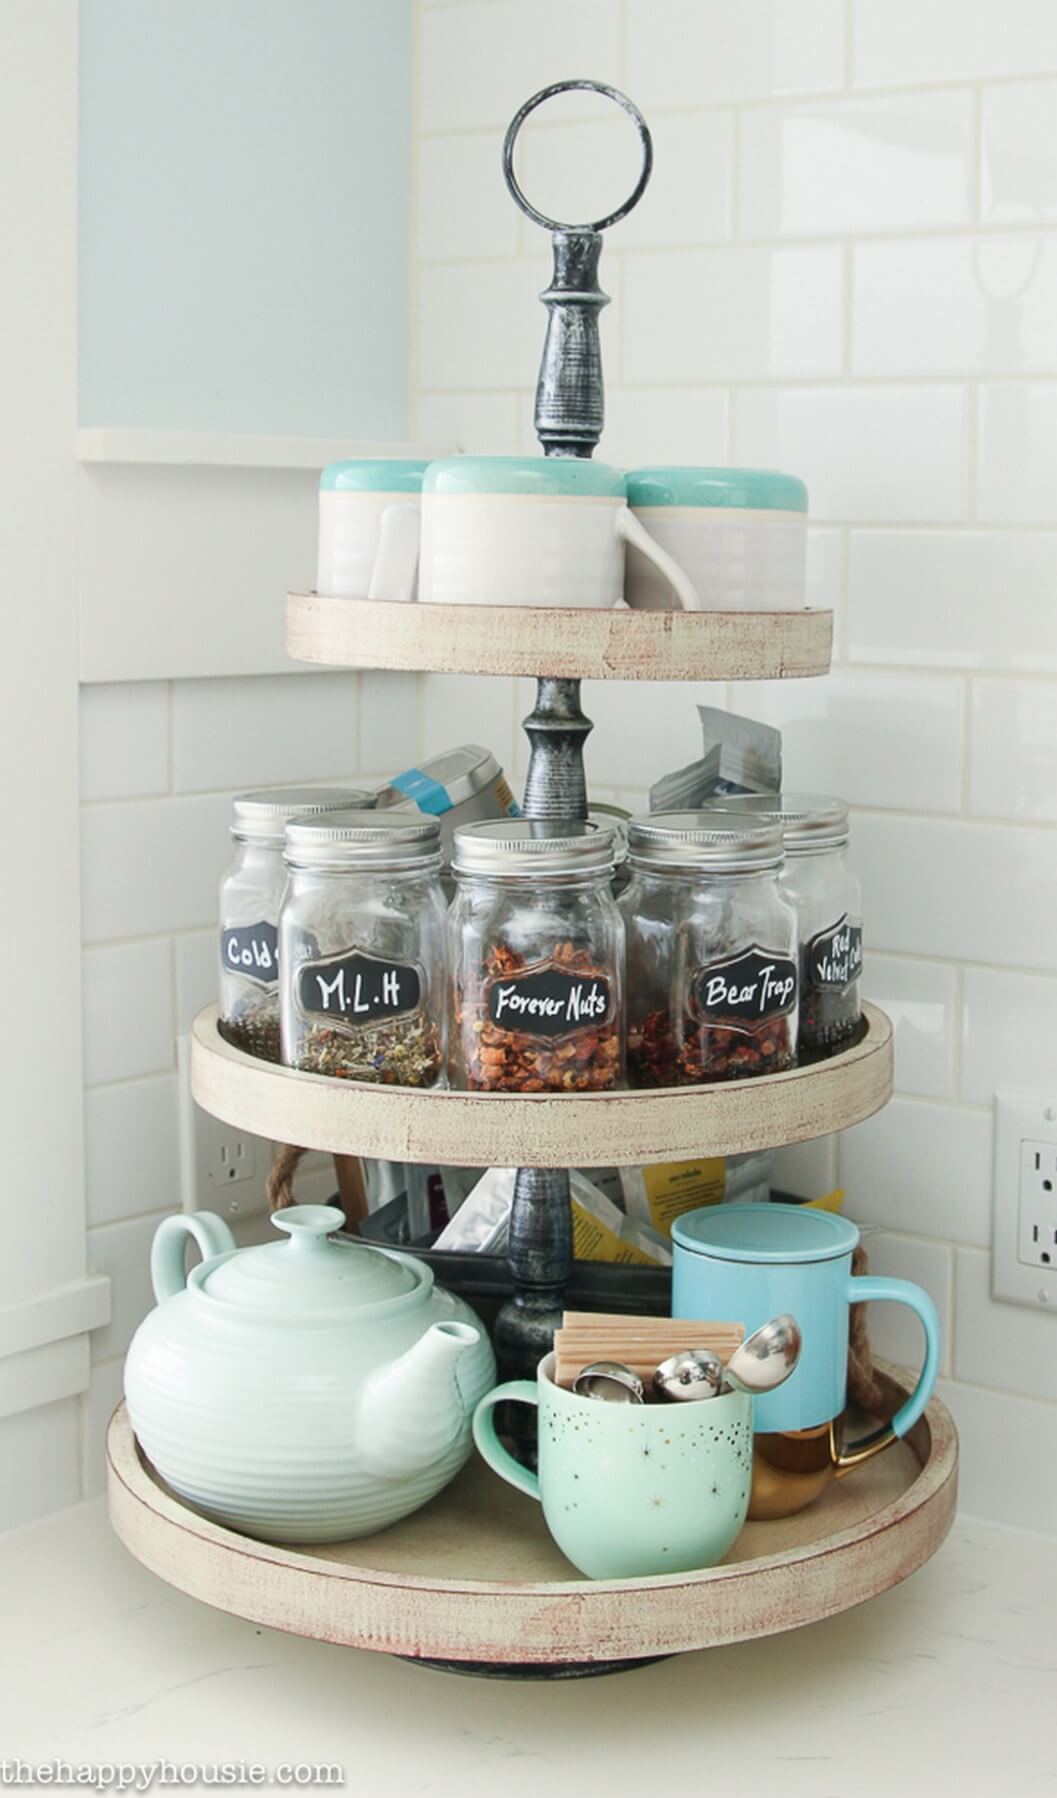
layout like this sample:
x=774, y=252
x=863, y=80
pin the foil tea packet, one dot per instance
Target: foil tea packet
x=741, y=755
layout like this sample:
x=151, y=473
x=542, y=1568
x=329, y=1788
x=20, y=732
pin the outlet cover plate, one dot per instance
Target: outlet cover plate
x=1025, y=1157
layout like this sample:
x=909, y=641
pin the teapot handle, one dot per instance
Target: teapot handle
x=211, y=1234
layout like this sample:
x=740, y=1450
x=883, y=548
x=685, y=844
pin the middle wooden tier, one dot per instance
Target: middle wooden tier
x=621, y=1129
x=567, y=644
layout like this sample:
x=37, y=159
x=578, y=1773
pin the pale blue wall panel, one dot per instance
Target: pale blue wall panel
x=244, y=204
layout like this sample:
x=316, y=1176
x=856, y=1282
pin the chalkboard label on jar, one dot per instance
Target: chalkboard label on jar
x=550, y=1002
x=833, y=957
x=357, y=988
x=750, y=988
x=251, y=950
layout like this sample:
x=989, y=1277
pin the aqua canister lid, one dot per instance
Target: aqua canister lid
x=567, y=477
x=373, y=475
x=751, y=489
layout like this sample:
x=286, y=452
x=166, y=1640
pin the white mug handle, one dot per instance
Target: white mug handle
x=633, y=531
x=396, y=558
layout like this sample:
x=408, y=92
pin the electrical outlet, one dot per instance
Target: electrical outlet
x=1024, y=1244
x=225, y=1169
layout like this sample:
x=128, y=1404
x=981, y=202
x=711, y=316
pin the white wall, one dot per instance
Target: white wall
x=846, y=267
x=243, y=317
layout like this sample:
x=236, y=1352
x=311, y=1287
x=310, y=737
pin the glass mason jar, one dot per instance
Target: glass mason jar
x=827, y=896
x=362, y=946
x=712, y=950
x=537, y=959
x=251, y=891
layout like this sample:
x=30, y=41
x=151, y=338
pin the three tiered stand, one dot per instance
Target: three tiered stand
x=474, y=1581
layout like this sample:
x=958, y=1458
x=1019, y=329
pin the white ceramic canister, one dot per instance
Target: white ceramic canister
x=369, y=529
x=740, y=534
x=534, y=531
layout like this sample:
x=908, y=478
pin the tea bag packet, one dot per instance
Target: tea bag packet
x=659, y=1195
x=750, y=753
x=602, y=1232
x=482, y=1223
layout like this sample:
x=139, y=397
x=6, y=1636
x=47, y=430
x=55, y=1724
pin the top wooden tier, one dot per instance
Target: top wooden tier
x=567, y=644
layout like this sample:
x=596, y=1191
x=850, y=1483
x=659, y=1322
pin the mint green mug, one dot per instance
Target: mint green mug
x=630, y=1490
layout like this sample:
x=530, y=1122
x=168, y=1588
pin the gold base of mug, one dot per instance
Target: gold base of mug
x=791, y=1468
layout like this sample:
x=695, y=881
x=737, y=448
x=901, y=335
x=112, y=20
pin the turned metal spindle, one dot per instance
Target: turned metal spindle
x=570, y=413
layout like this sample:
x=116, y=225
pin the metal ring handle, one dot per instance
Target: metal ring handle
x=548, y=93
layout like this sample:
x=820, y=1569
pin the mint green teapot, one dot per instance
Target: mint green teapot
x=302, y=1391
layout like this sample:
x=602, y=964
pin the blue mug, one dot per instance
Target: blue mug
x=751, y=1262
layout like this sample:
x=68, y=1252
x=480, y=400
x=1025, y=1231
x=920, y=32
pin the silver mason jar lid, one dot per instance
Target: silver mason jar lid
x=808, y=820
x=714, y=843
x=362, y=839
x=262, y=817
x=516, y=848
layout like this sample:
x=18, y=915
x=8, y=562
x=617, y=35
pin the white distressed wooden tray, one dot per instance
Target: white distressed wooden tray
x=565, y=643
x=462, y=1129
x=475, y=1579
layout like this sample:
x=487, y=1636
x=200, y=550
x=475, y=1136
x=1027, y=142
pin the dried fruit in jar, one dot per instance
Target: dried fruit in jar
x=736, y=1020
x=546, y=1025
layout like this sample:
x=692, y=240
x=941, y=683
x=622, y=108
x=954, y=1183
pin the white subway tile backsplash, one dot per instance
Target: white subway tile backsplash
x=641, y=731
x=974, y=892
x=475, y=708
x=1019, y=152
x=481, y=324
x=196, y=956
x=1007, y=1454
x=807, y=1170
x=732, y=314
x=918, y=1166
x=105, y=1390
x=890, y=454
x=391, y=731
x=128, y=1012
x=585, y=170
x=463, y=206
x=962, y=305
x=132, y=1148
x=697, y=52
x=1009, y=1033
x=152, y=865
x=895, y=1332
x=1013, y=759
x=920, y=997
x=122, y=1252
x=873, y=738
x=857, y=165
x=647, y=425
x=478, y=62
x=482, y=423
x=124, y=748
x=968, y=599
x=997, y=1344
x=1017, y=456
x=40, y=1453
x=948, y=40
x=273, y=731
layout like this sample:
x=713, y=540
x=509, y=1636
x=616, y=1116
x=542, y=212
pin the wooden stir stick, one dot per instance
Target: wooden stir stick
x=640, y=1343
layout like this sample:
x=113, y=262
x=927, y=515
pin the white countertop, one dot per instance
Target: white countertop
x=944, y=1685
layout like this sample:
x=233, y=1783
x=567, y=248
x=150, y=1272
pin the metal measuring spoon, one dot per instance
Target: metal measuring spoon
x=767, y=1357
x=610, y=1381
x=692, y=1374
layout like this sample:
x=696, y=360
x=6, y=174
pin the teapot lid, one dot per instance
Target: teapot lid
x=309, y=1273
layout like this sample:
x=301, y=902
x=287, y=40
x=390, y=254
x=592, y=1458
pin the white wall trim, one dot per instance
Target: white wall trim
x=48, y=1317
x=207, y=449
x=43, y=1375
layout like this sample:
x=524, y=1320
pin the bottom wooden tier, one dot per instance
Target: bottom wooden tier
x=475, y=1580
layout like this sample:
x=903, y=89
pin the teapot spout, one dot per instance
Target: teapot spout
x=411, y=1413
